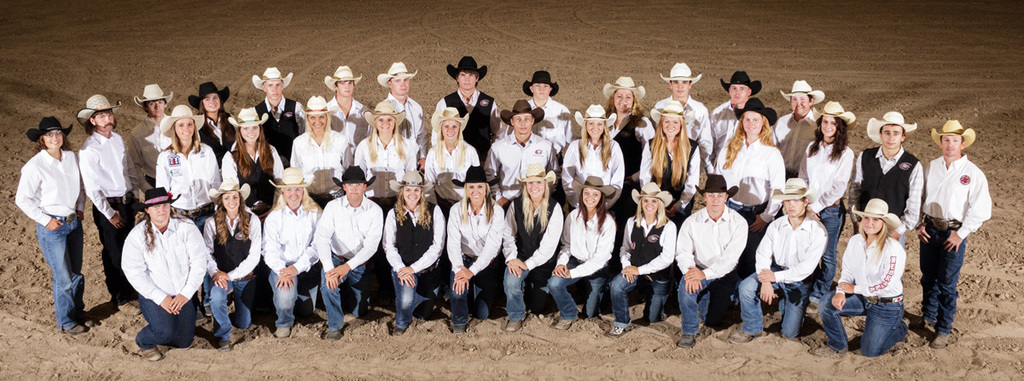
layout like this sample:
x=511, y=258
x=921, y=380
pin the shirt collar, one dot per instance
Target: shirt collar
x=880, y=155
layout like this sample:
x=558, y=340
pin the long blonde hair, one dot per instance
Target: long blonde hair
x=606, y=145
x=659, y=154
x=488, y=205
x=307, y=202
x=396, y=138
x=883, y=237
x=460, y=151
x=660, y=217
x=529, y=209
x=422, y=209
x=220, y=218
x=739, y=139
x=327, y=131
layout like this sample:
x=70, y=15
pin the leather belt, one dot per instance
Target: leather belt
x=251, y=276
x=125, y=199
x=878, y=300
x=941, y=224
x=194, y=213
x=68, y=218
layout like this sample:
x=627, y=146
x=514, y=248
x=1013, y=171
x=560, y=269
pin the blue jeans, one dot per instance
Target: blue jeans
x=415, y=301
x=164, y=328
x=940, y=272
x=243, y=294
x=833, y=218
x=352, y=294
x=303, y=293
x=882, y=330
x=708, y=304
x=62, y=250
x=745, y=267
x=655, y=291
x=792, y=305
x=482, y=287
x=558, y=287
x=530, y=286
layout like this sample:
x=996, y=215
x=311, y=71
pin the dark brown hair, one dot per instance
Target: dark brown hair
x=838, y=145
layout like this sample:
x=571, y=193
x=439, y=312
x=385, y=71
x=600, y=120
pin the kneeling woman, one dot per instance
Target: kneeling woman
x=587, y=240
x=648, y=250
x=413, y=238
x=234, y=241
x=165, y=261
x=871, y=283
x=475, y=228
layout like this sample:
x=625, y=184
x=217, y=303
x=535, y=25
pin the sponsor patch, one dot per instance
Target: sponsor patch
x=173, y=160
x=538, y=152
x=485, y=102
x=239, y=236
x=965, y=180
x=289, y=115
x=653, y=238
x=905, y=166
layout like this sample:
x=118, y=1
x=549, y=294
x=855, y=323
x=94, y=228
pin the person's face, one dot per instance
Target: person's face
x=184, y=128
x=293, y=196
x=752, y=123
x=399, y=86
x=344, y=89
x=155, y=108
x=103, y=122
x=250, y=133
x=523, y=124
x=159, y=214
x=829, y=127
x=738, y=94
x=476, y=192
x=450, y=130
x=211, y=102
x=671, y=125
x=536, y=189
x=354, y=191
x=230, y=200
x=411, y=195
x=871, y=225
x=274, y=88
x=541, y=91
x=317, y=121
x=467, y=80
x=53, y=140
x=680, y=89
x=952, y=145
x=385, y=124
x=801, y=104
x=715, y=200
x=595, y=127
x=795, y=208
x=591, y=197
x=892, y=136
x=623, y=100
x=650, y=205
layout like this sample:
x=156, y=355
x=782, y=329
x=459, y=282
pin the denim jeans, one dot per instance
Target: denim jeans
x=593, y=286
x=112, y=239
x=654, y=291
x=415, y=301
x=62, y=250
x=351, y=295
x=708, y=304
x=164, y=328
x=833, y=218
x=882, y=330
x=480, y=292
x=792, y=305
x=745, y=267
x=243, y=294
x=940, y=272
x=530, y=287
x=297, y=301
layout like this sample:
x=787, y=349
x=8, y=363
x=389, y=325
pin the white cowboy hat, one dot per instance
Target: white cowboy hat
x=448, y=113
x=801, y=87
x=291, y=178
x=535, y=172
x=180, y=112
x=153, y=93
x=230, y=185
x=953, y=127
x=879, y=209
x=796, y=188
x=410, y=178
x=95, y=104
x=672, y=108
x=248, y=117
x=652, y=190
x=383, y=108
x=343, y=73
x=891, y=117
x=836, y=110
x=318, y=105
x=681, y=72
x=269, y=75
x=624, y=83
x=594, y=112
x=397, y=70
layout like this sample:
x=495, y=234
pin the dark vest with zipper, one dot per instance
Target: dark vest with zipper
x=892, y=187
x=528, y=241
x=478, y=128
x=412, y=240
x=280, y=133
x=260, y=188
x=667, y=173
x=645, y=248
x=231, y=254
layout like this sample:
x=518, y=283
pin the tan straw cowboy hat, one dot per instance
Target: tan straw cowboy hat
x=318, y=105
x=672, y=108
x=624, y=83
x=953, y=127
x=96, y=103
x=397, y=70
x=836, y=110
x=879, y=209
x=180, y=112
x=535, y=172
x=653, y=191
x=593, y=182
x=272, y=74
x=410, y=178
x=248, y=117
x=796, y=188
x=383, y=108
x=343, y=73
x=681, y=72
x=448, y=113
x=153, y=93
x=801, y=87
x=291, y=178
x=594, y=112
x=891, y=117
x=230, y=185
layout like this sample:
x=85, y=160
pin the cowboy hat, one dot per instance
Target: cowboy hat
x=96, y=103
x=47, y=124
x=153, y=197
x=879, y=209
x=951, y=127
x=741, y=78
x=467, y=63
x=836, y=110
x=153, y=93
x=343, y=73
x=717, y=184
x=672, y=108
x=521, y=107
x=796, y=188
x=248, y=117
x=207, y=88
x=593, y=182
x=353, y=175
x=653, y=191
x=755, y=105
x=410, y=178
x=230, y=185
x=891, y=117
x=383, y=108
x=540, y=76
x=594, y=112
x=624, y=83
x=475, y=174
x=291, y=178
x=269, y=75
x=535, y=172
x=397, y=70
x=801, y=87
x=448, y=113
x=180, y=112
x=318, y=105
x=681, y=72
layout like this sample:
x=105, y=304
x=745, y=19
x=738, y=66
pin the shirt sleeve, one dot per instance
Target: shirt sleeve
x=563, y=257
x=249, y=263
x=763, y=254
x=571, y=169
x=26, y=199
x=390, y=248
x=87, y=161
x=618, y=170
x=912, y=213
x=684, y=246
x=493, y=242
x=508, y=243
x=310, y=257
x=894, y=261
x=733, y=249
x=134, y=176
x=627, y=241
x=497, y=132
x=854, y=247
x=323, y=234
x=979, y=206
x=135, y=152
x=706, y=141
x=455, y=237
x=272, y=253
x=278, y=164
x=197, y=259
x=133, y=263
x=692, y=179
x=668, y=251
x=375, y=221
x=645, y=165
x=422, y=137
x=776, y=180
x=209, y=235
x=549, y=242
x=434, y=251
x=605, y=245
x=858, y=178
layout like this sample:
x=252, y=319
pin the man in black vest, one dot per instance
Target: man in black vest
x=484, y=125
x=889, y=173
x=288, y=120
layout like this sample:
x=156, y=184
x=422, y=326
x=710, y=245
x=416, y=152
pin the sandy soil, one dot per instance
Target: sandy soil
x=932, y=61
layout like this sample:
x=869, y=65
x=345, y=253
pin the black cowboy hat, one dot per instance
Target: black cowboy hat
x=755, y=105
x=353, y=175
x=717, y=184
x=208, y=88
x=540, y=77
x=46, y=125
x=155, y=196
x=475, y=174
x=741, y=78
x=467, y=63
x=521, y=107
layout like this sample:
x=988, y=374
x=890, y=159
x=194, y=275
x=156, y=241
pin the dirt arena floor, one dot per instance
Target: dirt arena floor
x=932, y=61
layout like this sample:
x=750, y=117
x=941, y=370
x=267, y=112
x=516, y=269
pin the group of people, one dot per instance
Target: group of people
x=284, y=201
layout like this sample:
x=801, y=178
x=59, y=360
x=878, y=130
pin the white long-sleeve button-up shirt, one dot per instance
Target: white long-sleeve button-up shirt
x=792, y=138
x=288, y=239
x=723, y=127
x=757, y=170
x=549, y=237
x=712, y=246
x=255, y=247
x=441, y=175
x=883, y=278
x=667, y=241
x=49, y=187
x=107, y=170
x=829, y=178
x=354, y=124
x=322, y=162
x=508, y=161
x=415, y=125
x=796, y=250
x=959, y=192
x=191, y=177
x=388, y=166
x=689, y=185
x=146, y=144
x=699, y=129
x=574, y=169
x=433, y=252
x=556, y=126
x=475, y=237
x=352, y=233
x=175, y=266
x=583, y=240
x=912, y=212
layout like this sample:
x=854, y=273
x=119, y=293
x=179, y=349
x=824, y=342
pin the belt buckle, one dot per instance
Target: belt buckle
x=71, y=217
x=872, y=299
x=127, y=197
x=195, y=213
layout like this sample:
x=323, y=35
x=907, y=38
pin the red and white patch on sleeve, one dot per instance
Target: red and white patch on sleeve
x=965, y=180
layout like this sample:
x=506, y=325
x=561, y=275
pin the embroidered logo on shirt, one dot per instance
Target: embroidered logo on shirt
x=289, y=115
x=653, y=238
x=485, y=102
x=538, y=152
x=904, y=166
x=965, y=179
x=173, y=160
x=239, y=236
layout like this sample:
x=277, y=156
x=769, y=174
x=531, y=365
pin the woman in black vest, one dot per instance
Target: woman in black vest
x=534, y=226
x=234, y=241
x=671, y=161
x=632, y=130
x=215, y=131
x=413, y=238
x=253, y=162
x=648, y=249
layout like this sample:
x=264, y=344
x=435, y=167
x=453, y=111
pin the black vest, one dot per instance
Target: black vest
x=220, y=145
x=280, y=133
x=527, y=241
x=631, y=146
x=892, y=187
x=232, y=253
x=666, y=175
x=645, y=248
x=412, y=240
x=478, y=128
x=259, y=182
